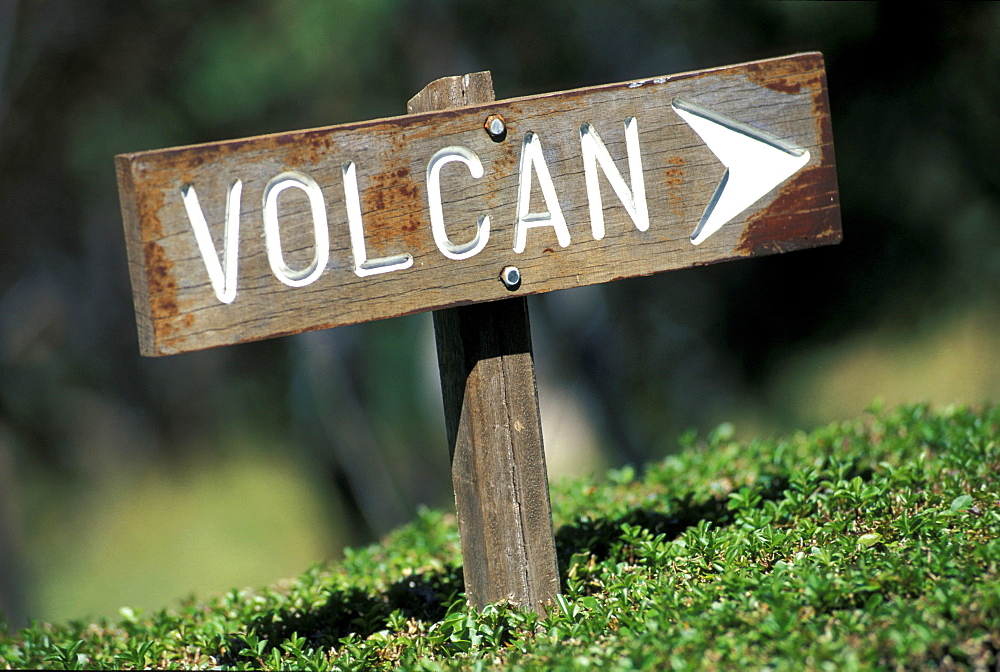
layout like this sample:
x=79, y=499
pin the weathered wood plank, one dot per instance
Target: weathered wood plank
x=498, y=462
x=179, y=309
x=493, y=426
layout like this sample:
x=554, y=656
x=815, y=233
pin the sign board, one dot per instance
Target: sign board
x=248, y=239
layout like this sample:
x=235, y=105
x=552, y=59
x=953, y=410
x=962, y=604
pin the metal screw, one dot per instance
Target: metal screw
x=496, y=127
x=511, y=277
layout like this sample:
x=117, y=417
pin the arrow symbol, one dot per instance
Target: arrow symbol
x=756, y=162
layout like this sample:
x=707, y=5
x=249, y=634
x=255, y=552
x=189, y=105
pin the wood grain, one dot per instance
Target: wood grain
x=177, y=309
x=493, y=426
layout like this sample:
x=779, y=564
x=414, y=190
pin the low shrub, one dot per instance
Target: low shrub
x=870, y=544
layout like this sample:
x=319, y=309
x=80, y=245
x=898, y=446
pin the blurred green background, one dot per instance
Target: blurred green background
x=126, y=481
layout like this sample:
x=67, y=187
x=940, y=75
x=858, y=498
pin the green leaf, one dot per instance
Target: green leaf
x=870, y=539
x=961, y=503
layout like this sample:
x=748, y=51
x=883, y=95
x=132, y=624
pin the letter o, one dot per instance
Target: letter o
x=272, y=234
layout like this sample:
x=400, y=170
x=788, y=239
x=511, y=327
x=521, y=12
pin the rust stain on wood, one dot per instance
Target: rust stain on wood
x=167, y=321
x=811, y=216
x=149, y=203
x=675, y=174
x=502, y=169
x=674, y=178
x=306, y=153
x=821, y=114
x=161, y=281
x=387, y=205
x=789, y=76
x=392, y=189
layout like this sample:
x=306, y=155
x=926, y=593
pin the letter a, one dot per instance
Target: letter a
x=533, y=159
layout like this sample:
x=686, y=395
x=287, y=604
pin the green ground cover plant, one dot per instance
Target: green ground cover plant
x=868, y=544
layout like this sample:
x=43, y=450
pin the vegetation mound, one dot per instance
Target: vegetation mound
x=866, y=544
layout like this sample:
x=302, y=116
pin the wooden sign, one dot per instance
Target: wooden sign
x=248, y=239
x=466, y=206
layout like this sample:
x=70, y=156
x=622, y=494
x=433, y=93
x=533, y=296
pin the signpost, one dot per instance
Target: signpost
x=461, y=206
x=492, y=421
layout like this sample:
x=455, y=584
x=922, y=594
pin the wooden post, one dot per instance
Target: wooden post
x=493, y=425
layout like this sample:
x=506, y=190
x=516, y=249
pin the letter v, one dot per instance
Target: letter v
x=223, y=281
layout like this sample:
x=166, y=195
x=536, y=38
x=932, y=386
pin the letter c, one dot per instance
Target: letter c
x=438, y=161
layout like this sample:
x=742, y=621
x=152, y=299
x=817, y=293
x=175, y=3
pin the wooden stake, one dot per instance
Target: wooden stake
x=493, y=424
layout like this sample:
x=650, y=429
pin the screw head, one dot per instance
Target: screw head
x=511, y=277
x=496, y=127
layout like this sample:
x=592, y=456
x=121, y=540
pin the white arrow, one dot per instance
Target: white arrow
x=756, y=162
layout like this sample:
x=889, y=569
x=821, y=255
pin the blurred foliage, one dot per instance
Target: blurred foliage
x=915, y=110
x=154, y=532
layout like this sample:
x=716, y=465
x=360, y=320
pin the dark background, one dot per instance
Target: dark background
x=127, y=481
